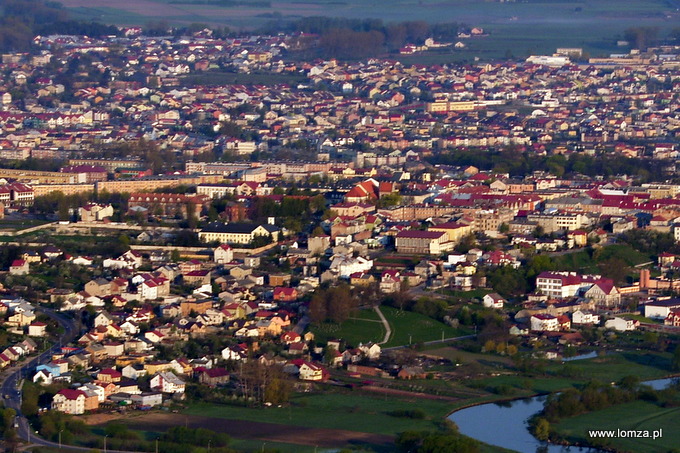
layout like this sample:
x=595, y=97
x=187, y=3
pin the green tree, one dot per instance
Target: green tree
x=542, y=429
x=676, y=358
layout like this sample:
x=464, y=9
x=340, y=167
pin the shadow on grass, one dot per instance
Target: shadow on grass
x=650, y=360
x=373, y=447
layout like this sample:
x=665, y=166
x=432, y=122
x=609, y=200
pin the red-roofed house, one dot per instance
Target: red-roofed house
x=673, y=318
x=604, y=293
x=214, y=376
x=19, y=267
x=69, y=401
x=109, y=375
x=544, y=323
x=285, y=294
x=312, y=372
x=223, y=254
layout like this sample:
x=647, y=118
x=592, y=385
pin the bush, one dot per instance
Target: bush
x=416, y=414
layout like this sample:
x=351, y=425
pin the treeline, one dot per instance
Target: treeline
x=519, y=163
x=360, y=38
x=22, y=20
x=334, y=304
x=75, y=27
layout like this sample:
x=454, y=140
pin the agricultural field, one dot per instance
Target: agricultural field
x=515, y=29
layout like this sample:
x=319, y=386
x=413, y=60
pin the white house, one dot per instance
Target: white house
x=661, y=308
x=233, y=353
x=584, y=317
x=347, y=265
x=98, y=390
x=372, y=351
x=544, y=323
x=44, y=377
x=620, y=324
x=37, y=329
x=148, y=290
x=148, y=399
x=493, y=300
x=311, y=372
x=167, y=382
x=223, y=254
x=69, y=401
x=134, y=371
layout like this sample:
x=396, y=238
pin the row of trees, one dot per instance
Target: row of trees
x=334, y=304
x=23, y=19
x=520, y=163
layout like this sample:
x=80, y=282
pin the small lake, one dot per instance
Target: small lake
x=505, y=424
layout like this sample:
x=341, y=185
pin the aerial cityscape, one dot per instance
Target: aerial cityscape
x=258, y=226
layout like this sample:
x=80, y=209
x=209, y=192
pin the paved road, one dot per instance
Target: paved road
x=9, y=388
x=12, y=395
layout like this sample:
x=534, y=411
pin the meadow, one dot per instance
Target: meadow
x=638, y=415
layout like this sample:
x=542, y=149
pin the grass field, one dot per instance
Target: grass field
x=349, y=411
x=638, y=415
x=612, y=367
x=8, y=224
x=409, y=328
x=364, y=326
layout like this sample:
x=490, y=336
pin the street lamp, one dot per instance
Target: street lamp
x=263, y=444
x=60, y=431
x=105, y=442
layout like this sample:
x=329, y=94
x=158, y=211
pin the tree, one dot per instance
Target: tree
x=542, y=429
x=676, y=358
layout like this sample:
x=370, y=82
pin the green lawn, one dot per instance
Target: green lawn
x=638, y=415
x=410, y=328
x=364, y=326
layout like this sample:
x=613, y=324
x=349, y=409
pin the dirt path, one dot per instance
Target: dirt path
x=243, y=429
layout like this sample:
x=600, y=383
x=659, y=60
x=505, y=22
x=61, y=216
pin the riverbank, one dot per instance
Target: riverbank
x=505, y=424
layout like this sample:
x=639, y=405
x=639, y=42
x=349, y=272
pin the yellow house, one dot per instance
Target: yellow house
x=235, y=233
x=154, y=367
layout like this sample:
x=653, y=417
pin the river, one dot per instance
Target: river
x=505, y=424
